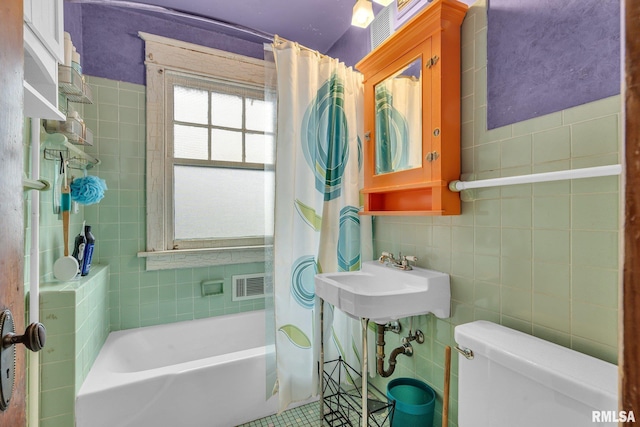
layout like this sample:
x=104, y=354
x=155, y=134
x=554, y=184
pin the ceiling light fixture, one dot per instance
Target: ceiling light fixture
x=362, y=13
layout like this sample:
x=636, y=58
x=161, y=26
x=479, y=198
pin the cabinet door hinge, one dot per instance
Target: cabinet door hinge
x=432, y=61
x=432, y=156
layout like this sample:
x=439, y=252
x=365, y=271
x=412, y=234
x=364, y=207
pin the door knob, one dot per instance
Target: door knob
x=34, y=337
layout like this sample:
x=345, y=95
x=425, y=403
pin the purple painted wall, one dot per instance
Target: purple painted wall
x=73, y=24
x=112, y=49
x=549, y=55
x=543, y=55
x=354, y=45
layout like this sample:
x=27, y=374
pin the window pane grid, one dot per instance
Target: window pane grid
x=209, y=113
x=239, y=153
x=214, y=129
x=222, y=164
x=244, y=129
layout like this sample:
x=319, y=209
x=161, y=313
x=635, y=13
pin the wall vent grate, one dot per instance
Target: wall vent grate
x=247, y=286
x=382, y=26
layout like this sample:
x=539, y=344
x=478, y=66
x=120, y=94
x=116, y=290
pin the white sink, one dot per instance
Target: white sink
x=383, y=293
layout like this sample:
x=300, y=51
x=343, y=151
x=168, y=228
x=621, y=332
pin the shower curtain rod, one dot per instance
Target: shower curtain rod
x=538, y=177
x=281, y=40
x=174, y=12
x=271, y=38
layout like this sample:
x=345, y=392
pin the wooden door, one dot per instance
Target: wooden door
x=629, y=338
x=11, y=197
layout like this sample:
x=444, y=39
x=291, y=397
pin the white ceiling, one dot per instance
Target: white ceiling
x=314, y=23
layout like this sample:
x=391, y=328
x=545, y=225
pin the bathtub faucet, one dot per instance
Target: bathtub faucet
x=401, y=263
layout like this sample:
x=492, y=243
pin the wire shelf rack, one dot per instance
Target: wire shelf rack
x=73, y=128
x=77, y=159
x=343, y=398
x=73, y=86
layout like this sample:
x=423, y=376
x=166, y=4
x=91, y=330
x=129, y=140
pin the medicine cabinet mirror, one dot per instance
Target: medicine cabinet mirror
x=412, y=115
x=398, y=119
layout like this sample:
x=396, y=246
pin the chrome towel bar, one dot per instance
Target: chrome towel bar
x=538, y=177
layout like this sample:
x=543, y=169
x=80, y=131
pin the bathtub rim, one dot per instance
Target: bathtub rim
x=100, y=377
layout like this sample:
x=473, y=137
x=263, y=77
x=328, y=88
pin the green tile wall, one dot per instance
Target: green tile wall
x=76, y=317
x=139, y=297
x=541, y=258
x=51, y=247
x=136, y=297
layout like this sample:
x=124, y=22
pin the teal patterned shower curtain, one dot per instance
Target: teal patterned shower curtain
x=317, y=226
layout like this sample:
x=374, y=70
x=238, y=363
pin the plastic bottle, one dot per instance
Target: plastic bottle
x=75, y=61
x=68, y=49
x=78, y=248
x=88, y=250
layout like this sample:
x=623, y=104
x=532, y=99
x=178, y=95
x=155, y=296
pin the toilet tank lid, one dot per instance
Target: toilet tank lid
x=583, y=377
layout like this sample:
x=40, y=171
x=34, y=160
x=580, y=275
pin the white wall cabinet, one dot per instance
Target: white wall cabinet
x=43, y=49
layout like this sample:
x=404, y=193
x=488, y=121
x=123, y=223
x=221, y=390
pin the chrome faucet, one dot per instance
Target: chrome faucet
x=401, y=263
x=386, y=257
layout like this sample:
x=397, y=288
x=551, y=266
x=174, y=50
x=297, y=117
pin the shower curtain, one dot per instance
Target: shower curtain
x=317, y=226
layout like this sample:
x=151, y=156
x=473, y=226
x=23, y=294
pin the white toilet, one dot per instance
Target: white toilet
x=518, y=380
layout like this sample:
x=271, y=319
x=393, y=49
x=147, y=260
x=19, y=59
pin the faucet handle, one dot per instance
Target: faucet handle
x=386, y=256
x=407, y=260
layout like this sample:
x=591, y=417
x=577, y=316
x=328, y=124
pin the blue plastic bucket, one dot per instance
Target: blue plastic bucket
x=414, y=402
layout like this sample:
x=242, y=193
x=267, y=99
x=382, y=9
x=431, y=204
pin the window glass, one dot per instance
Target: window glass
x=215, y=203
x=226, y=110
x=259, y=148
x=259, y=115
x=222, y=139
x=226, y=145
x=190, y=142
x=190, y=105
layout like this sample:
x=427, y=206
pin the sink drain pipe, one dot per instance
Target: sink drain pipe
x=403, y=349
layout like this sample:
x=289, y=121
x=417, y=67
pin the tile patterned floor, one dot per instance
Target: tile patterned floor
x=302, y=416
x=307, y=416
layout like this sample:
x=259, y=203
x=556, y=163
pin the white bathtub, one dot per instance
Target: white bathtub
x=198, y=373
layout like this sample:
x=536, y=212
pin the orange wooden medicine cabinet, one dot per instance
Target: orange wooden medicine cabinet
x=433, y=37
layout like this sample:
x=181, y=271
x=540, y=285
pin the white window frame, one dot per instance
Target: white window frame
x=164, y=54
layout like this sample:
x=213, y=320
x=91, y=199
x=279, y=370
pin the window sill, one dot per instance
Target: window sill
x=190, y=258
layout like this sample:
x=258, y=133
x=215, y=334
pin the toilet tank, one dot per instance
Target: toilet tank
x=518, y=380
